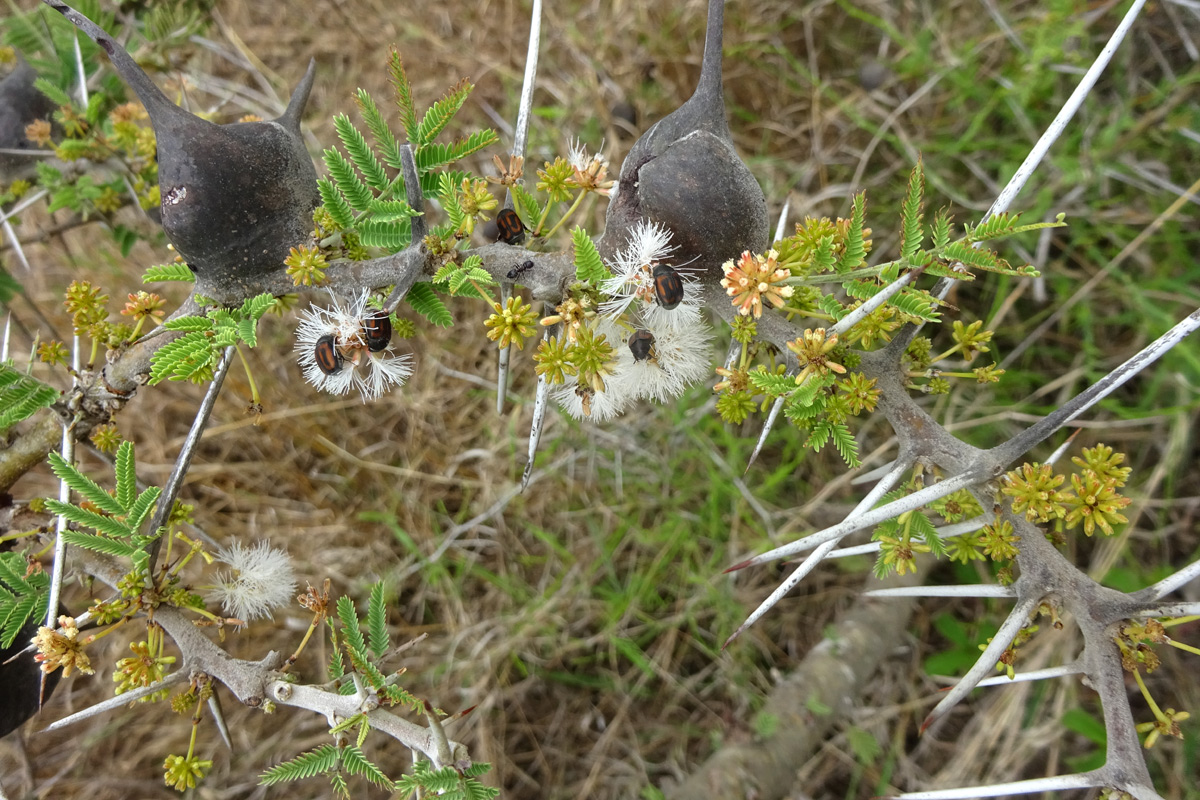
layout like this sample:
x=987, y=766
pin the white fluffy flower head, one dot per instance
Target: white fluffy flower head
x=633, y=284
x=345, y=324
x=582, y=401
x=260, y=579
x=680, y=357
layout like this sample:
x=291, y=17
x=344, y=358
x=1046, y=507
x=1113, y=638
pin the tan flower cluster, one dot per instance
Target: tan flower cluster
x=61, y=649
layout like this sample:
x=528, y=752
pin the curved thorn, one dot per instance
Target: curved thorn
x=290, y=118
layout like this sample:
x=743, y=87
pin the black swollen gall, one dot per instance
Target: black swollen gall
x=20, y=104
x=683, y=173
x=235, y=198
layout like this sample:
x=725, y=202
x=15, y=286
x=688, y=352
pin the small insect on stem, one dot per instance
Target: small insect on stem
x=377, y=329
x=668, y=286
x=641, y=344
x=519, y=269
x=512, y=230
x=326, y=353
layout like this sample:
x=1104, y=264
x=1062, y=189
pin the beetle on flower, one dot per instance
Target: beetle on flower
x=334, y=343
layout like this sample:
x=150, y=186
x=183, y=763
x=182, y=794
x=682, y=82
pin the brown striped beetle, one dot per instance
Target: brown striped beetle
x=517, y=270
x=668, y=286
x=327, y=356
x=641, y=344
x=512, y=230
x=377, y=329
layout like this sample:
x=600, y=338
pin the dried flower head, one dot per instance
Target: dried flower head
x=55, y=649
x=259, y=580
x=510, y=175
x=573, y=314
x=591, y=171
x=339, y=333
x=755, y=279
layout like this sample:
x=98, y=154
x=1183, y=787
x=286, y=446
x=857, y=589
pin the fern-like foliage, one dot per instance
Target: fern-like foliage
x=364, y=653
x=910, y=214
x=830, y=277
x=377, y=635
x=426, y=303
x=463, y=279
x=772, y=384
x=169, y=272
x=194, y=355
x=365, y=191
x=855, y=251
x=588, y=266
x=22, y=596
x=116, y=517
x=359, y=644
x=21, y=396
x=317, y=761
x=446, y=782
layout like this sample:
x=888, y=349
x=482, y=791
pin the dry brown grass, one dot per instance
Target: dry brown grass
x=560, y=711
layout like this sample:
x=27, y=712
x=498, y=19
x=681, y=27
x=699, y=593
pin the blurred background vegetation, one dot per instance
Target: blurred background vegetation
x=584, y=618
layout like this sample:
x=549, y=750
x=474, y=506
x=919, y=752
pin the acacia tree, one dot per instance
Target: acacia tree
x=823, y=331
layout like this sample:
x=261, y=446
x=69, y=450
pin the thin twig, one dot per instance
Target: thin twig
x=166, y=500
